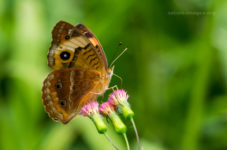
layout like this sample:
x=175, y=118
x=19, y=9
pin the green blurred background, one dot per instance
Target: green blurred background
x=175, y=72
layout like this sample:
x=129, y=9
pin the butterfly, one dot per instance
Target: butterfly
x=80, y=71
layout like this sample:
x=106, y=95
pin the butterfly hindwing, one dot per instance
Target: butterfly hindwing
x=65, y=91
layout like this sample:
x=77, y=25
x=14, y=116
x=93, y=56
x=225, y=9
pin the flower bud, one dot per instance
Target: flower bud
x=91, y=110
x=119, y=98
x=107, y=109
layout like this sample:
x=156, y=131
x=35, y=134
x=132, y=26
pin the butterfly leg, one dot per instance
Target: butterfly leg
x=96, y=93
x=119, y=78
x=114, y=88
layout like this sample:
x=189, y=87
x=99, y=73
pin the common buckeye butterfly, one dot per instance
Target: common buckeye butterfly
x=80, y=75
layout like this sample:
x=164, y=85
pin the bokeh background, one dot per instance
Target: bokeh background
x=175, y=71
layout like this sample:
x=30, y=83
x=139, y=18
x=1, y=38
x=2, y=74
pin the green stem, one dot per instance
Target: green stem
x=126, y=141
x=137, y=135
x=109, y=139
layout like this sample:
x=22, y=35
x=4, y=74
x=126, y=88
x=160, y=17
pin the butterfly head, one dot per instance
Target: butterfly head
x=110, y=71
x=106, y=78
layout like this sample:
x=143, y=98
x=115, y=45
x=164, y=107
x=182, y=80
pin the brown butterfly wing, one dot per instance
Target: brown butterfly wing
x=94, y=41
x=65, y=91
x=59, y=33
x=75, y=47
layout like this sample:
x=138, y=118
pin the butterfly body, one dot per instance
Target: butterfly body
x=80, y=71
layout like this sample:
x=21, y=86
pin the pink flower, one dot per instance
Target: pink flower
x=118, y=97
x=106, y=108
x=90, y=109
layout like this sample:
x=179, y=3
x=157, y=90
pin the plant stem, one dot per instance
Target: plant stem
x=137, y=135
x=126, y=141
x=109, y=139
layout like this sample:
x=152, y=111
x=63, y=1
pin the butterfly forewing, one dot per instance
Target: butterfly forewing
x=94, y=41
x=75, y=47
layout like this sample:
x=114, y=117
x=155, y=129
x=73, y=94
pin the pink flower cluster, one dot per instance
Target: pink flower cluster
x=116, y=98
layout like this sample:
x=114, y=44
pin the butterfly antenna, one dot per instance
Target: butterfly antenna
x=119, y=78
x=115, y=52
x=118, y=56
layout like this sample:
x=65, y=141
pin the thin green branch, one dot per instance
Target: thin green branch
x=109, y=139
x=137, y=135
x=126, y=141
